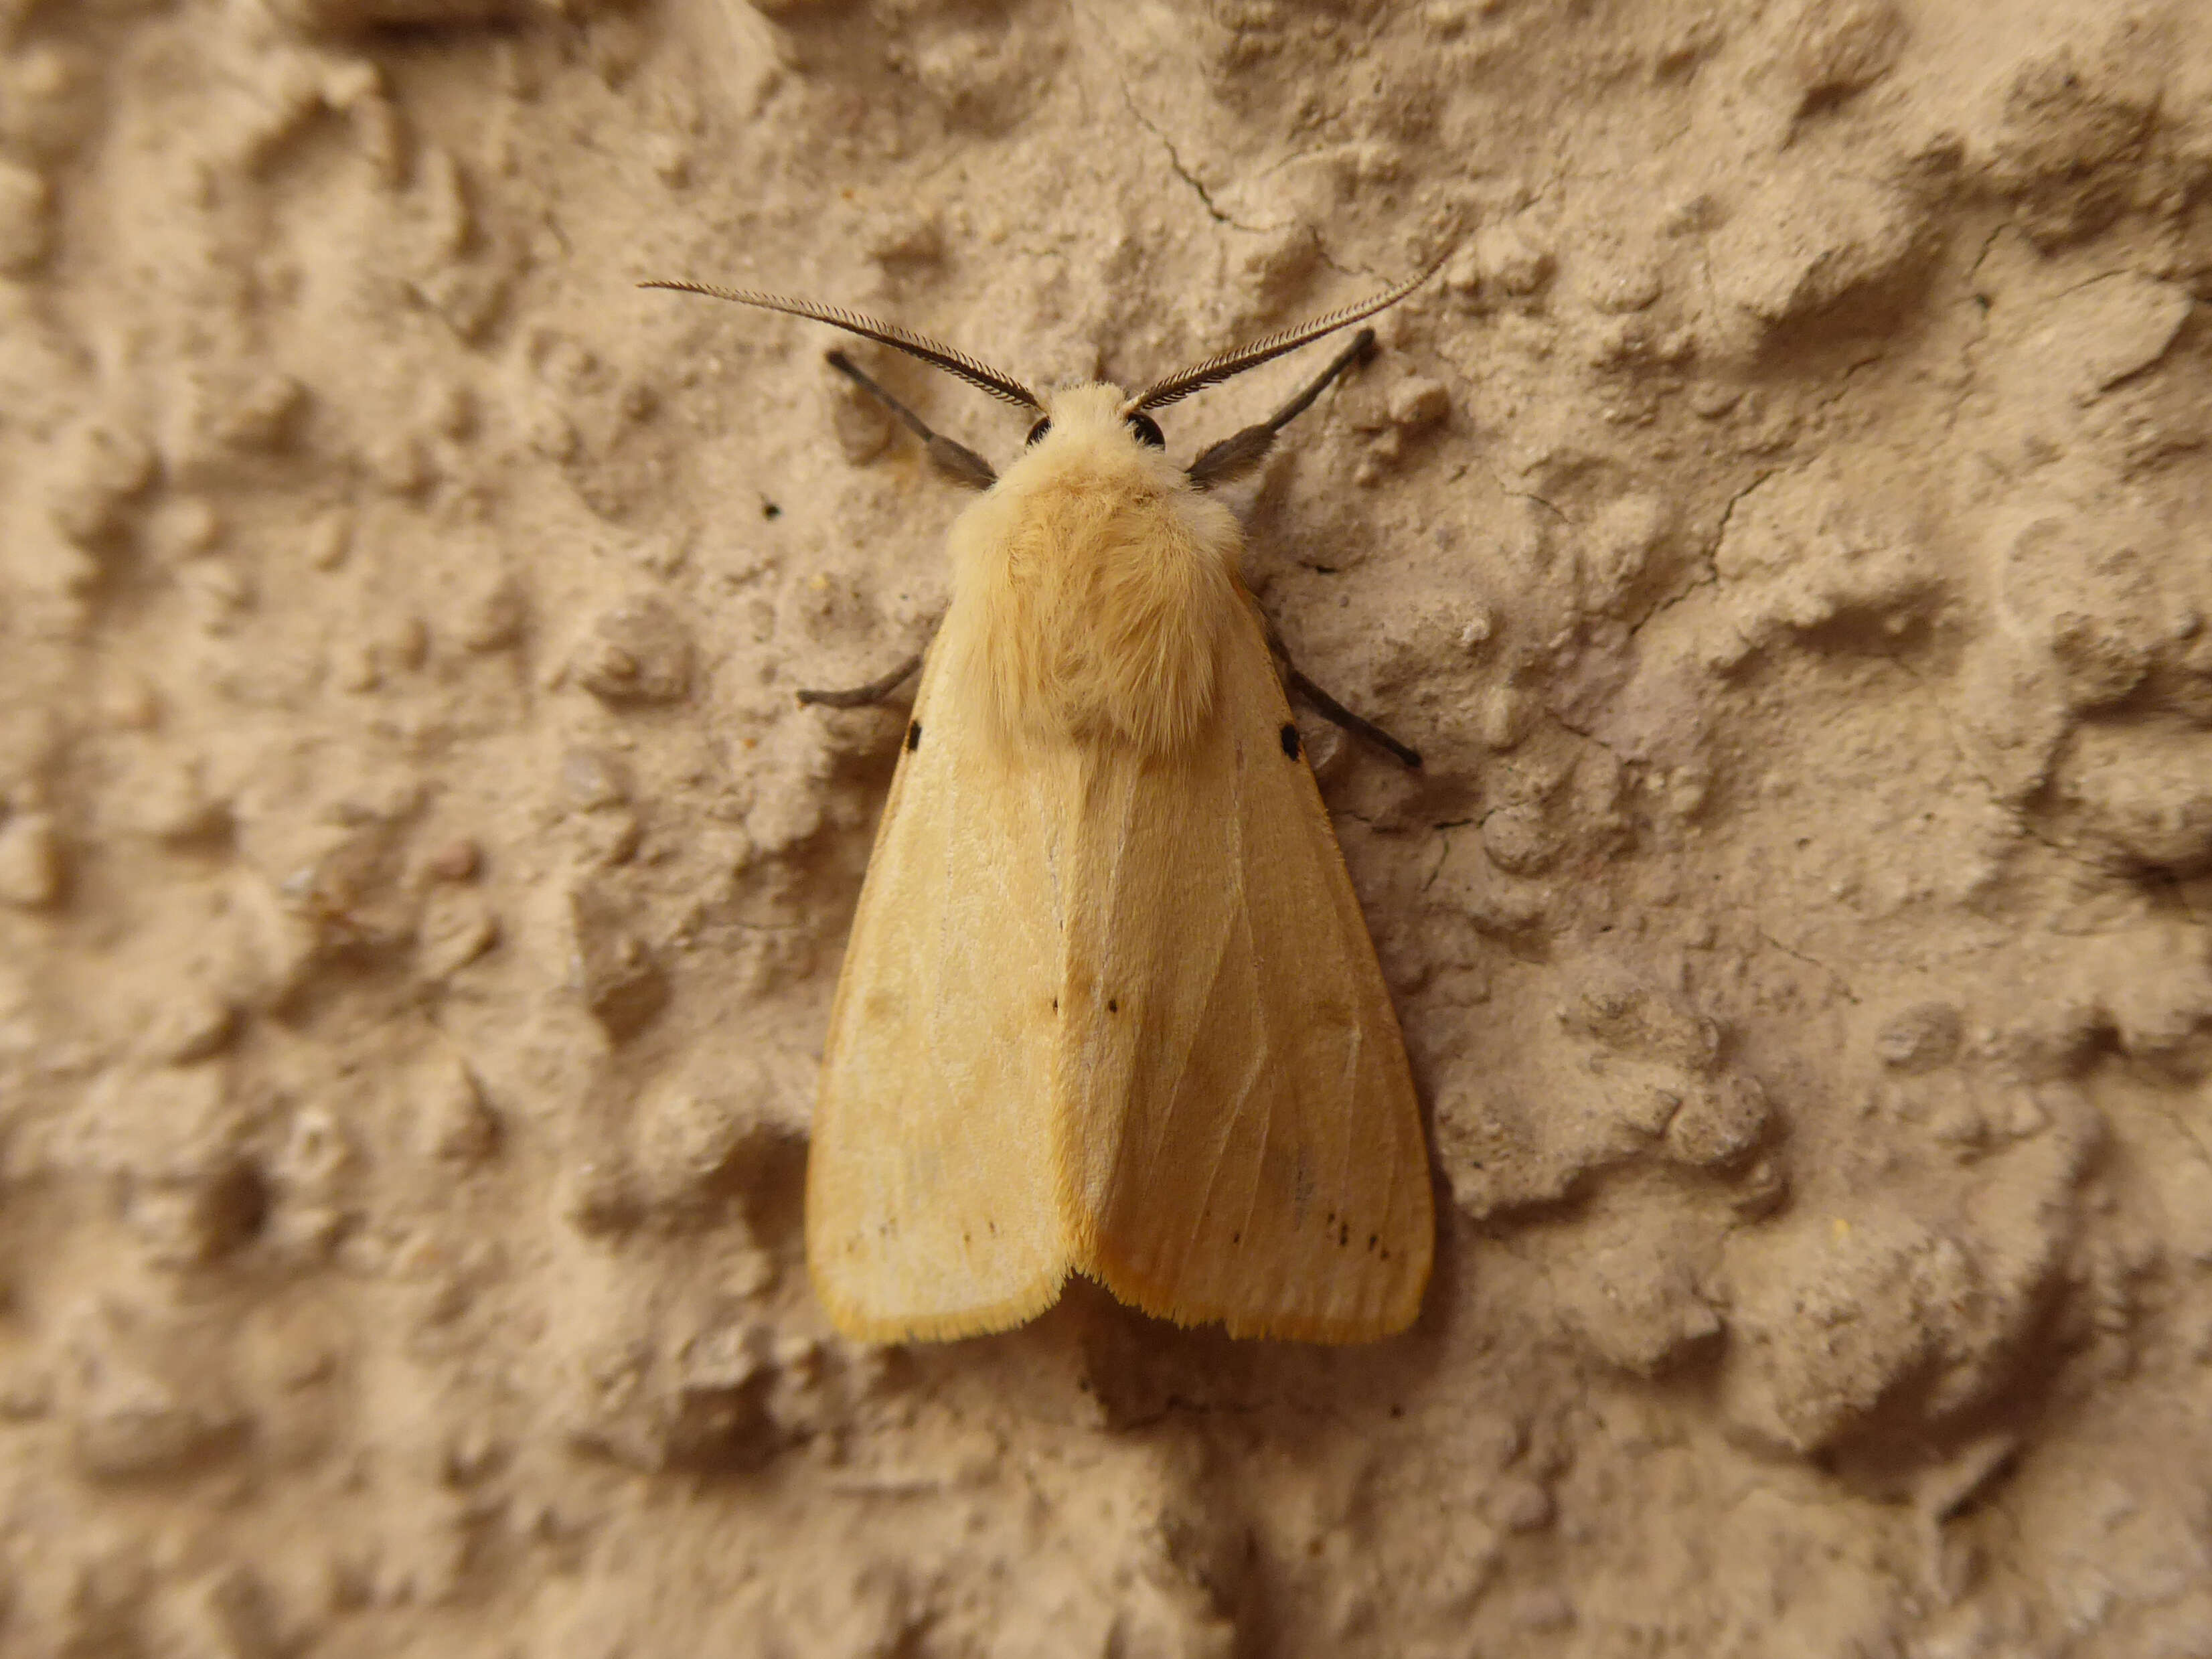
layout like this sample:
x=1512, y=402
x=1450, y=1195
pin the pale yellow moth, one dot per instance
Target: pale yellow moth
x=1109, y=1006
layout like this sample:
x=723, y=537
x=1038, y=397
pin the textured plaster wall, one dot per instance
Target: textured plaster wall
x=1783, y=526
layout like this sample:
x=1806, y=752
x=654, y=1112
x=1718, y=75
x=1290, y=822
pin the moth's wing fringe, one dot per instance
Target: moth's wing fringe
x=942, y=1327
x=1128, y=1284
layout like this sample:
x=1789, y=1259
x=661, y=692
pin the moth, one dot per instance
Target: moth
x=1109, y=1006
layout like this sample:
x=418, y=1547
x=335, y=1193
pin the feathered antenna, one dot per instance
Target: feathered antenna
x=981, y=376
x=1216, y=369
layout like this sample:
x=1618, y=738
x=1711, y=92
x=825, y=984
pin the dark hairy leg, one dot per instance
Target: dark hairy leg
x=1295, y=682
x=1238, y=455
x=864, y=696
x=955, y=461
x=1337, y=714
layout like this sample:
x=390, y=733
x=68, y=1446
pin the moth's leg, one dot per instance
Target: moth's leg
x=1337, y=714
x=1235, y=456
x=1334, y=711
x=955, y=461
x=868, y=696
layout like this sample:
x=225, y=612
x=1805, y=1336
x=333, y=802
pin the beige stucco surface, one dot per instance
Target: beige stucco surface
x=1783, y=526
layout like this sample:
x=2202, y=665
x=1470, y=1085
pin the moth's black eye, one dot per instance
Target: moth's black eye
x=1043, y=427
x=1147, y=430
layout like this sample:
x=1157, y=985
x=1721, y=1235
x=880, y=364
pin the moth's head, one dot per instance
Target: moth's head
x=1103, y=419
x=1096, y=419
x=1092, y=437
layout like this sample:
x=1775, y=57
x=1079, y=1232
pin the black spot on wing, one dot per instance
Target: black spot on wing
x=1290, y=735
x=912, y=736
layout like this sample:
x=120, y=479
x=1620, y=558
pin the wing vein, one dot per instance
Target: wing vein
x=1348, y=1130
x=1219, y=1156
x=1241, y=864
x=1231, y=1113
